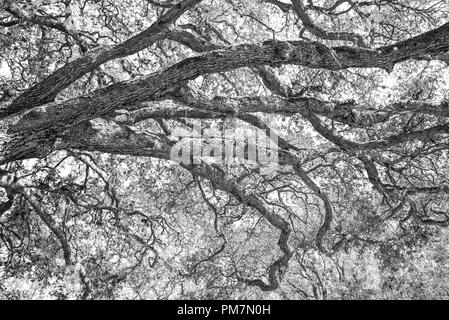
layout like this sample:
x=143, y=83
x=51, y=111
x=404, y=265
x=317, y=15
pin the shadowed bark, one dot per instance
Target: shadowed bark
x=47, y=90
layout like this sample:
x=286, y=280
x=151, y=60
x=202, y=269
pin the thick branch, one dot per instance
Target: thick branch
x=49, y=22
x=321, y=33
x=315, y=55
x=46, y=90
x=381, y=144
x=118, y=139
x=16, y=187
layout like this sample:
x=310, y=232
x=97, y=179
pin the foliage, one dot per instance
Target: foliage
x=93, y=92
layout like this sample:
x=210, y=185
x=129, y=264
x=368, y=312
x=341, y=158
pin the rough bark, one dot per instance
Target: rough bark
x=47, y=90
x=314, y=29
x=118, y=139
x=156, y=85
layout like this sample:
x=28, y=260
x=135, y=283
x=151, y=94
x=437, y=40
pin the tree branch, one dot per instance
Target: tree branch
x=47, y=90
x=321, y=33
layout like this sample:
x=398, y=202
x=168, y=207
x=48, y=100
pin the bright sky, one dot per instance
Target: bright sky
x=4, y=70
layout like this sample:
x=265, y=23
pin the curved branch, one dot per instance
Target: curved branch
x=47, y=90
x=321, y=33
x=154, y=86
x=48, y=220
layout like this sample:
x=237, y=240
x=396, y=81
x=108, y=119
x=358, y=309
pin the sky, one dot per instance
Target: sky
x=4, y=70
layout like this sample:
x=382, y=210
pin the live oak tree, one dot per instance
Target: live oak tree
x=93, y=93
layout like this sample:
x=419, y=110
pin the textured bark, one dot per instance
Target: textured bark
x=342, y=112
x=118, y=139
x=46, y=90
x=49, y=22
x=327, y=182
x=328, y=216
x=314, y=29
x=277, y=269
x=200, y=106
x=314, y=55
x=387, y=142
x=39, y=129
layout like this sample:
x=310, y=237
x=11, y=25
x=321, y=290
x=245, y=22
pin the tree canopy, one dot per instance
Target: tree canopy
x=352, y=94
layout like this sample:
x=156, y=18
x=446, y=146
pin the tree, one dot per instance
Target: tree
x=351, y=96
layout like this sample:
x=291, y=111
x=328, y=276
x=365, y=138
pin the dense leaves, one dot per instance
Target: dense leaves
x=93, y=95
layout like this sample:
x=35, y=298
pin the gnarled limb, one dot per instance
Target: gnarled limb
x=18, y=188
x=314, y=55
x=319, y=32
x=47, y=90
